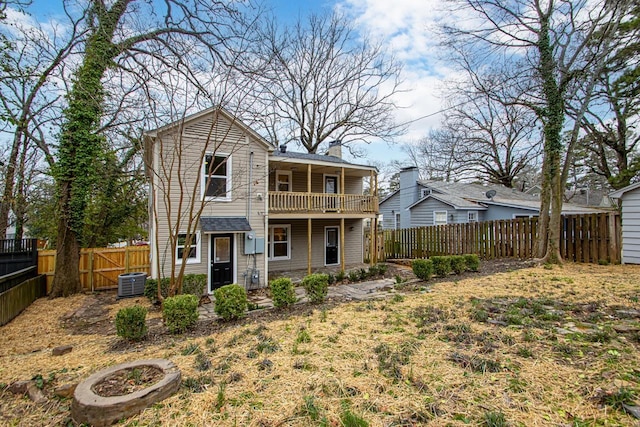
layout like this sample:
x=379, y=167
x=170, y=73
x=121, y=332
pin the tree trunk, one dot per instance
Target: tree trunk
x=7, y=194
x=66, y=281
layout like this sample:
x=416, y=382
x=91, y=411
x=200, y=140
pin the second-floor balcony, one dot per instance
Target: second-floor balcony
x=283, y=202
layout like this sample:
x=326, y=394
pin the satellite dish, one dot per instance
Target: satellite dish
x=490, y=194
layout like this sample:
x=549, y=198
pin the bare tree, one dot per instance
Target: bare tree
x=321, y=83
x=435, y=156
x=552, y=48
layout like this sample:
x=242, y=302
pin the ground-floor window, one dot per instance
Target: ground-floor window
x=192, y=253
x=439, y=217
x=279, y=242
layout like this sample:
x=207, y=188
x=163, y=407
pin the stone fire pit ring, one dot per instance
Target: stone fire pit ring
x=88, y=407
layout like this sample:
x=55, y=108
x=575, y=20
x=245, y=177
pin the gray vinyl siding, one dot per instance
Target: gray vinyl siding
x=495, y=212
x=169, y=196
x=299, y=252
x=422, y=214
x=388, y=210
x=631, y=227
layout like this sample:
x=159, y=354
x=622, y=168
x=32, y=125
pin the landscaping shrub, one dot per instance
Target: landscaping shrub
x=231, y=302
x=180, y=313
x=354, y=276
x=382, y=269
x=282, y=292
x=131, y=323
x=458, y=264
x=340, y=276
x=441, y=265
x=472, y=261
x=192, y=284
x=373, y=271
x=317, y=286
x=422, y=268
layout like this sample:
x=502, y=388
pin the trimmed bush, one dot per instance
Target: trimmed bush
x=472, y=261
x=441, y=265
x=282, y=292
x=382, y=269
x=317, y=286
x=231, y=302
x=192, y=284
x=354, y=276
x=340, y=276
x=458, y=264
x=422, y=268
x=131, y=323
x=180, y=313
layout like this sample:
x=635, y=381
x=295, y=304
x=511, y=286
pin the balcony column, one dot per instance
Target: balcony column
x=309, y=204
x=309, y=246
x=341, y=205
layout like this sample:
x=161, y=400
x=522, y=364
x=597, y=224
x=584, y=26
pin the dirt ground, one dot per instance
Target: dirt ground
x=512, y=345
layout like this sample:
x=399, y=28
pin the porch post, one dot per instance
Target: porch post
x=342, y=243
x=309, y=204
x=309, y=246
x=373, y=232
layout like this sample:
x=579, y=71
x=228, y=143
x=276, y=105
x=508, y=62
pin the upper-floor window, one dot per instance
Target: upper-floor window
x=283, y=181
x=439, y=217
x=424, y=192
x=191, y=253
x=473, y=216
x=217, y=176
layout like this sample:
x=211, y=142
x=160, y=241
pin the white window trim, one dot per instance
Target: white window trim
x=325, y=244
x=284, y=172
x=515, y=216
x=397, y=221
x=270, y=242
x=424, y=192
x=475, y=214
x=324, y=182
x=446, y=219
x=203, y=173
x=198, y=246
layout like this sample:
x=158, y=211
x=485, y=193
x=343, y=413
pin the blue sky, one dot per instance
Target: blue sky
x=406, y=27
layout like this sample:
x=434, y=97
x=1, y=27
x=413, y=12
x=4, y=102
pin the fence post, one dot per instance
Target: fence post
x=614, y=247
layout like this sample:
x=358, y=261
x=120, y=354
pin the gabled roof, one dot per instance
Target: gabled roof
x=619, y=193
x=193, y=117
x=453, y=201
x=388, y=196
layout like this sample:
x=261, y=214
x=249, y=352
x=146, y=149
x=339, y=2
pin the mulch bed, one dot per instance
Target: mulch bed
x=127, y=381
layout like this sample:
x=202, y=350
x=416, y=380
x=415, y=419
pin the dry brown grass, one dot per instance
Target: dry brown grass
x=409, y=360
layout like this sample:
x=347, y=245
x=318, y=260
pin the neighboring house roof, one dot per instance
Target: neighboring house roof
x=619, y=193
x=192, y=117
x=316, y=159
x=453, y=201
x=388, y=196
x=211, y=224
x=472, y=192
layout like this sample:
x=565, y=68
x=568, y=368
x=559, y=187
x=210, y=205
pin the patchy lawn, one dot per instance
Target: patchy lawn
x=528, y=347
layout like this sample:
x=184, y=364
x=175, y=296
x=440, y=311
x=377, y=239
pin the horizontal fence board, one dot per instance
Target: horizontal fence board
x=588, y=238
x=99, y=267
x=16, y=299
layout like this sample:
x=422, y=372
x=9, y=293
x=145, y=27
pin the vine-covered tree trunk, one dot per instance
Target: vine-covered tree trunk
x=81, y=146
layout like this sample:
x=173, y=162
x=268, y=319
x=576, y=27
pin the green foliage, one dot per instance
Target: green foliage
x=422, y=268
x=458, y=264
x=131, y=323
x=441, y=265
x=340, y=276
x=180, y=313
x=354, y=276
x=282, y=292
x=231, y=302
x=192, y=284
x=382, y=269
x=472, y=261
x=316, y=286
x=494, y=419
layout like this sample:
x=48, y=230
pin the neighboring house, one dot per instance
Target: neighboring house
x=265, y=210
x=422, y=202
x=630, y=199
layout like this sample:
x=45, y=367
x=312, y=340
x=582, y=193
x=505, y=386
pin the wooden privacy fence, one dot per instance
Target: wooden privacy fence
x=99, y=267
x=16, y=255
x=584, y=238
x=19, y=297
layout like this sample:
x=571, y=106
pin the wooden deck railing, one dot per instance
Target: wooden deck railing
x=280, y=201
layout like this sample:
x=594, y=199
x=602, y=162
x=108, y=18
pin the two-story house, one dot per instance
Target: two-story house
x=419, y=203
x=250, y=209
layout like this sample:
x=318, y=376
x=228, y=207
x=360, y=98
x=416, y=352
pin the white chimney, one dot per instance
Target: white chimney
x=335, y=149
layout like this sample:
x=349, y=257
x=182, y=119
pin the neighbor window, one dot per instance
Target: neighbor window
x=279, y=242
x=424, y=192
x=473, y=216
x=283, y=181
x=439, y=217
x=216, y=176
x=191, y=254
x=397, y=220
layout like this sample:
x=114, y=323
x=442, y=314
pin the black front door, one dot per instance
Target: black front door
x=221, y=260
x=331, y=250
x=331, y=187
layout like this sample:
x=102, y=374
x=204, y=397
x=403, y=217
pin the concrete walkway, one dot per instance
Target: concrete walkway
x=374, y=289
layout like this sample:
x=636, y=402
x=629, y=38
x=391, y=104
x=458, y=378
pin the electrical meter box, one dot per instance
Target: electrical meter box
x=250, y=243
x=259, y=245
